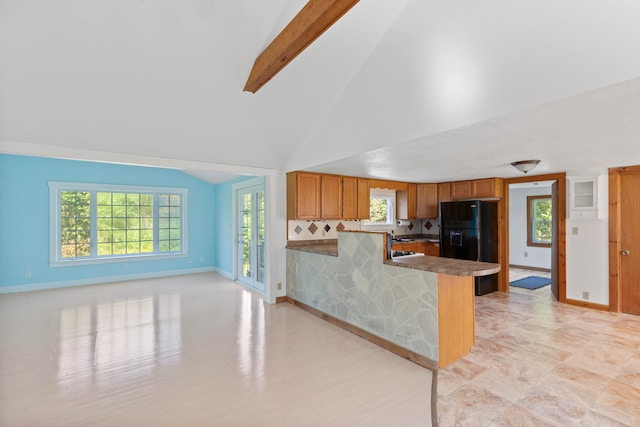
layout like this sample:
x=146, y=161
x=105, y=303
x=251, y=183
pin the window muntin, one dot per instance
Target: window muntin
x=101, y=223
x=539, y=221
x=382, y=209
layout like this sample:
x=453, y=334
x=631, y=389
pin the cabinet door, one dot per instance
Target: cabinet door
x=427, y=201
x=411, y=246
x=331, y=200
x=489, y=187
x=350, y=198
x=432, y=249
x=444, y=192
x=461, y=190
x=307, y=196
x=406, y=203
x=364, y=198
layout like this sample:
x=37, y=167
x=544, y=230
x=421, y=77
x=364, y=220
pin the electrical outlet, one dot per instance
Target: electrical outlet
x=27, y=274
x=526, y=254
x=201, y=259
x=574, y=231
x=585, y=295
x=279, y=286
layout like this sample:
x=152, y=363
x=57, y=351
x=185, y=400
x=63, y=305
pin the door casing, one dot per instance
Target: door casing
x=503, y=277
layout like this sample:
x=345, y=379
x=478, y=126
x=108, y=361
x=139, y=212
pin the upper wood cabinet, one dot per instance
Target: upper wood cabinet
x=489, y=187
x=331, y=196
x=461, y=190
x=444, y=192
x=320, y=196
x=303, y=195
x=479, y=188
x=426, y=201
x=364, y=199
x=349, y=197
x=355, y=198
x=406, y=202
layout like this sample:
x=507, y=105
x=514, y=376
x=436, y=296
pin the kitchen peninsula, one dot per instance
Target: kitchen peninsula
x=421, y=307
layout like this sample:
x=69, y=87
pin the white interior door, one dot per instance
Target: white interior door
x=250, y=237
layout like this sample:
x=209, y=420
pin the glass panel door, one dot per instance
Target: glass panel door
x=251, y=248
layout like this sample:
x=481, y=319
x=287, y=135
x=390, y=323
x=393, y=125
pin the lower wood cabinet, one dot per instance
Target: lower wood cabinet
x=431, y=249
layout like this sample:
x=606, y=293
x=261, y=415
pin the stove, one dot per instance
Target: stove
x=405, y=254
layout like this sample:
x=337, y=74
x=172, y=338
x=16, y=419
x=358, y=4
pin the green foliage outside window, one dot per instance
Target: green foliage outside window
x=75, y=218
x=378, y=211
x=124, y=223
x=541, y=220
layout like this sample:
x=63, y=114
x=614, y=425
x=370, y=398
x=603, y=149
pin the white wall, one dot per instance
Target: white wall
x=519, y=252
x=587, y=254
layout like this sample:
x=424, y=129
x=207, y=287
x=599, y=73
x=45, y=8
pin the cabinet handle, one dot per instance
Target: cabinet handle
x=626, y=252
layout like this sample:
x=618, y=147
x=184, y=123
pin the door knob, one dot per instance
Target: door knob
x=626, y=252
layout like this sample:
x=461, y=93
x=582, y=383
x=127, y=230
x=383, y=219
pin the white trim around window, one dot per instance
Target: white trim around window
x=165, y=232
x=390, y=197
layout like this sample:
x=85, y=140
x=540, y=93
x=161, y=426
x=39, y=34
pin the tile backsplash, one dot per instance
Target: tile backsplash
x=317, y=230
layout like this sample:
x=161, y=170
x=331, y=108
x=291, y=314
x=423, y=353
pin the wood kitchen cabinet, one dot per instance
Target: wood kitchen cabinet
x=303, y=195
x=314, y=196
x=444, y=192
x=489, y=187
x=364, y=199
x=406, y=202
x=431, y=249
x=476, y=189
x=426, y=201
x=461, y=190
x=331, y=196
x=355, y=198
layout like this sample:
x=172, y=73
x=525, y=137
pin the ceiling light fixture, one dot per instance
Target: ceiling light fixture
x=525, y=166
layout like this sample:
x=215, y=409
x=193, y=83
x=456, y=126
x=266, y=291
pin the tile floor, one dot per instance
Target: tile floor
x=540, y=363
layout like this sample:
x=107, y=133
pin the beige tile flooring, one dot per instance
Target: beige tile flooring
x=540, y=363
x=194, y=350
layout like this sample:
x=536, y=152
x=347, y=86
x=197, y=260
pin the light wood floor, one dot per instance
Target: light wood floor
x=194, y=350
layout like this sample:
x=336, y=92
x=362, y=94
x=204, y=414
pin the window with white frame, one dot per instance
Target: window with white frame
x=382, y=208
x=101, y=223
x=539, y=220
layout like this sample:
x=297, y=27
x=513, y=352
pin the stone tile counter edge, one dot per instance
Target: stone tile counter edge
x=454, y=267
x=322, y=247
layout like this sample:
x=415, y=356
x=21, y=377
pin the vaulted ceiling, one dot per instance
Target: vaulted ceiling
x=413, y=90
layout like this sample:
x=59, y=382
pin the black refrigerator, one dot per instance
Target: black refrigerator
x=469, y=230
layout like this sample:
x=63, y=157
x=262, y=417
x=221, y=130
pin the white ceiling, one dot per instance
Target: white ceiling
x=414, y=90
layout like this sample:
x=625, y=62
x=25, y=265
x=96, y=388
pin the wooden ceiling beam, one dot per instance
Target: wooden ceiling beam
x=313, y=20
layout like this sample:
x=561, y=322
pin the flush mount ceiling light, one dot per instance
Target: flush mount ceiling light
x=525, y=166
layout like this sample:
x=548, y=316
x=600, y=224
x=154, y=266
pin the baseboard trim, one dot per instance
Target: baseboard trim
x=100, y=280
x=224, y=273
x=526, y=267
x=588, y=304
x=416, y=358
x=282, y=299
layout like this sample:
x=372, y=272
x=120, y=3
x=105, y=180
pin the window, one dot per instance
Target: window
x=539, y=221
x=101, y=223
x=382, y=208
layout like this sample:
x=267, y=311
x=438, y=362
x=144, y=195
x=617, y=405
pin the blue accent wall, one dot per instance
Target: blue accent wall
x=24, y=221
